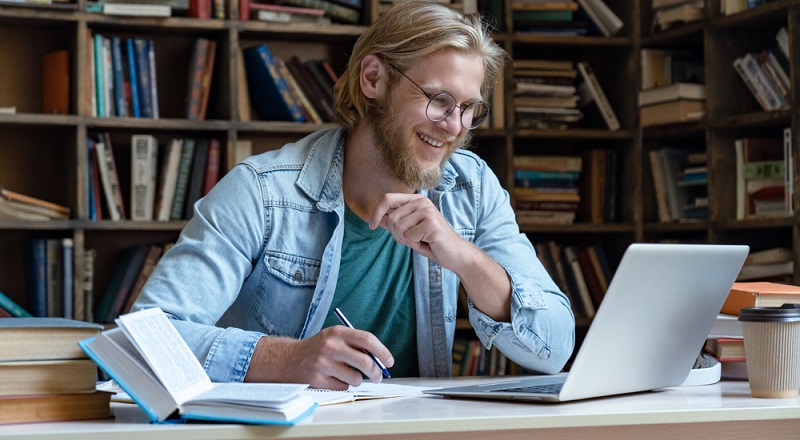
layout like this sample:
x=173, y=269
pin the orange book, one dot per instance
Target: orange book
x=55, y=82
x=760, y=294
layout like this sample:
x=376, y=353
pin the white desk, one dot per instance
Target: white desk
x=724, y=410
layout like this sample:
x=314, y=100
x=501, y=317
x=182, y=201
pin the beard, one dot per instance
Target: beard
x=397, y=150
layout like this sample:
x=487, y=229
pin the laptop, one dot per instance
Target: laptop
x=648, y=331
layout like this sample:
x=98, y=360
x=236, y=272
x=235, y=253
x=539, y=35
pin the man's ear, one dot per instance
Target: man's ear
x=373, y=77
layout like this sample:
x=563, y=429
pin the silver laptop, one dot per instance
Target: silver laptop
x=647, y=333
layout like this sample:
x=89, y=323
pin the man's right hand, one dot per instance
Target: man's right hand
x=332, y=359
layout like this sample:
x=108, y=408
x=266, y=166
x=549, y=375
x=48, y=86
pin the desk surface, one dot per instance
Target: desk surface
x=725, y=409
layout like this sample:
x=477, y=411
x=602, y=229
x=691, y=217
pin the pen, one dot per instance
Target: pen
x=346, y=323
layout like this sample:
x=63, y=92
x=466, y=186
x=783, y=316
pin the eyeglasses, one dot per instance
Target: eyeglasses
x=441, y=105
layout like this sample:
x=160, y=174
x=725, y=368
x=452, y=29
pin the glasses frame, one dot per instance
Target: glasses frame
x=462, y=107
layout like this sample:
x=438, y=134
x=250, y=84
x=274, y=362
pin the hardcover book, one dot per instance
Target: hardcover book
x=149, y=359
x=759, y=294
x=269, y=92
x=31, y=339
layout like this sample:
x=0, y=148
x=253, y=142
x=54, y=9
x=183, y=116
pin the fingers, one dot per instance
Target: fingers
x=336, y=357
x=388, y=204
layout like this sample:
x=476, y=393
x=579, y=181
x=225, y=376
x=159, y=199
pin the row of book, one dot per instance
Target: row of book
x=123, y=77
x=133, y=267
x=680, y=184
x=581, y=271
x=764, y=176
x=49, y=263
x=766, y=74
x=46, y=376
x=564, y=18
x=164, y=182
x=471, y=358
x=289, y=90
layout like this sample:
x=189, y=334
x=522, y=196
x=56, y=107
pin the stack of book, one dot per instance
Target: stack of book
x=546, y=189
x=766, y=74
x=18, y=206
x=545, y=95
x=289, y=90
x=726, y=343
x=762, y=176
x=46, y=376
x=672, y=88
x=771, y=265
x=303, y=11
x=547, y=18
x=671, y=13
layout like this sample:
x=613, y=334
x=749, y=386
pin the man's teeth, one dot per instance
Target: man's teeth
x=430, y=141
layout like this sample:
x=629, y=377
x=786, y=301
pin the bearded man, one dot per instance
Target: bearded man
x=383, y=217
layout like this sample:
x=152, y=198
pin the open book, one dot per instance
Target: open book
x=149, y=359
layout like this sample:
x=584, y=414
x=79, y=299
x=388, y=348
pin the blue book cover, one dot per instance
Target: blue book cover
x=269, y=93
x=143, y=77
x=133, y=79
x=37, y=276
x=119, y=78
x=99, y=80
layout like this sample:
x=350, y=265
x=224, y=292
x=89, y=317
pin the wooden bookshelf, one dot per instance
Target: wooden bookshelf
x=43, y=154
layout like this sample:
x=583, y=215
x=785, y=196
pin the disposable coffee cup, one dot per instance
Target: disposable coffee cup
x=772, y=349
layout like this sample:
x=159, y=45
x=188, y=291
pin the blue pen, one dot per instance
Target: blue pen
x=347, y=324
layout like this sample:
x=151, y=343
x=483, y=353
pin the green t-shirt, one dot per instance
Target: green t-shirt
x=375, y=291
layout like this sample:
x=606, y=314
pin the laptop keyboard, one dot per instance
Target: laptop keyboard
x=552, y=388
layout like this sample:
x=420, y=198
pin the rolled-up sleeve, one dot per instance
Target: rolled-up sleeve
x=541, y=334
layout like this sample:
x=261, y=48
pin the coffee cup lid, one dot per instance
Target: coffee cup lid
x=784, y=313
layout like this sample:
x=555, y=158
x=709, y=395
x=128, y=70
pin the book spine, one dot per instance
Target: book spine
x=108, y=79
x=197, y=176
x=151, y=69
x=143, y=77
x=38, y=276
x=788, y=157
x=212, y=165
x=208, y=73
x=67, y=271
x=762, y=83
x=99, y=75
x=280, y=83
x=599, y=96
x=87, y=278
x=91, y=89
x=182, y=181
x=133, y=77
x=169, y=175
x=143, y=150
x=12, y=307
x=109, y=178
x=195, y=79
x=119, y=80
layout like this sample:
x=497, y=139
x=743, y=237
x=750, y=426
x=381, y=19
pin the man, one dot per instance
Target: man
x=383, y=218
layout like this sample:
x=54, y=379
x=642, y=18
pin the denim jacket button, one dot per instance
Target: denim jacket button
x=298, y=276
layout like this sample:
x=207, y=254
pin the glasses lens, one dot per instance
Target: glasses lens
x=440, y=107
x=474, y=114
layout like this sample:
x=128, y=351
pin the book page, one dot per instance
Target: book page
x=166, y=353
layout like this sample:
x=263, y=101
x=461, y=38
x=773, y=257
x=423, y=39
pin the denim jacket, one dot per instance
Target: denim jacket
x=261, y=256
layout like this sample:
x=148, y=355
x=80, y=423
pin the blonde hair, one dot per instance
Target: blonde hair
x=406, y=33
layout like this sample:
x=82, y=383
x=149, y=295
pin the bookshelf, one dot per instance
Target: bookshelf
x=54, y=144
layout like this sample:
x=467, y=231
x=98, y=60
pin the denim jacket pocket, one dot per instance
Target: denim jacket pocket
x=293, y=270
